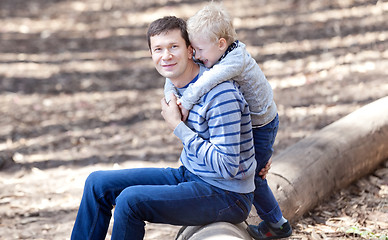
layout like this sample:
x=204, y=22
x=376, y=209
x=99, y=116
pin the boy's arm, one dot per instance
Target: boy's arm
x=229, y=67
x=168, y=89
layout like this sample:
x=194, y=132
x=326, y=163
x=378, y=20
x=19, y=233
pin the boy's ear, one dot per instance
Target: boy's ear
x=222, y=44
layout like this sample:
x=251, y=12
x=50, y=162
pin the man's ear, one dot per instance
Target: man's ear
x=222, y=44
x=190, y=51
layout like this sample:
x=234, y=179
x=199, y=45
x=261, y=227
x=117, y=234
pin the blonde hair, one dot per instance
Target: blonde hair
x=212, y=21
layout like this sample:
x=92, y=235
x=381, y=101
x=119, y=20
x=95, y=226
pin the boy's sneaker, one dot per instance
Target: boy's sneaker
x=265, y=231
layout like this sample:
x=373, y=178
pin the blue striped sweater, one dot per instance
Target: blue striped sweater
x=217, y=139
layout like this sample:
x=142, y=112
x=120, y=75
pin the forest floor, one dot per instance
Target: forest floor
x=78, y=93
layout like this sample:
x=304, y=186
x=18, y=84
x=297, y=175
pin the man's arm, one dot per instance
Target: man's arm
x=171, y=114
x=216, y=149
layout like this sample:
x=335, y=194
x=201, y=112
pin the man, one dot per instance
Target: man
x=215, y=181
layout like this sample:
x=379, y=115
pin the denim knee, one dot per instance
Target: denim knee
x=128, y=219
x=128, y=201
x=95, y=183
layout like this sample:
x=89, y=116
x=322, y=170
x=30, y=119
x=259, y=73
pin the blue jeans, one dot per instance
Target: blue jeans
x=264, y=201
x=158, y=195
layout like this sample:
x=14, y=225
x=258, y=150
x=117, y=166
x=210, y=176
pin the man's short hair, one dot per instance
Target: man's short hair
x=165, y=24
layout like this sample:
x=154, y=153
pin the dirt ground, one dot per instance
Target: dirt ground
x=78, y=93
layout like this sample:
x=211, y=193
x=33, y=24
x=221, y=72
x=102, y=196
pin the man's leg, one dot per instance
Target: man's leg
x=191, y=202
x=100, y=193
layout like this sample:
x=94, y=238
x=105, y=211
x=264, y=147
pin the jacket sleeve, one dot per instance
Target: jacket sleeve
x=229, y=67
x=168, y=89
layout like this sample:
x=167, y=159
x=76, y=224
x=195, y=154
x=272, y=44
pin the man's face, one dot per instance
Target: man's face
x=170, y=54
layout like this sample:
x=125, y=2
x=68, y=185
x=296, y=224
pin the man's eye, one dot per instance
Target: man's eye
x=174, y=46
x=157, y=49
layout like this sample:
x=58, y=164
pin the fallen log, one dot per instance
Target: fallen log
x=215, y=231
x=309, y=171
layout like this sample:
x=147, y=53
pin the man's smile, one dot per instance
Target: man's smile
x=167, y=66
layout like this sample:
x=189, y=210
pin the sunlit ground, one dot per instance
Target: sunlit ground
x=78, y=93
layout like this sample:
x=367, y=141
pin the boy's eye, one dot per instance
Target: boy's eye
x=157, y=49
x=174, y=46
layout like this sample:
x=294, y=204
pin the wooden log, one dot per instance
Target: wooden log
x=215, y=231
x=309, y=171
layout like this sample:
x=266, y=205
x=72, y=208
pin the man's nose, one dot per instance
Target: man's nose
x=166, y=54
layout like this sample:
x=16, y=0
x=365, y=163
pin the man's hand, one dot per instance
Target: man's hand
x=263, y=172
x=171, y=112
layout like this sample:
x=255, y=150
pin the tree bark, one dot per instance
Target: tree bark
x=215, y=231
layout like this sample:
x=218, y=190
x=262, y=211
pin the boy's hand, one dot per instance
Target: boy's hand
x=184, y=112
x=263, y=172
x=171, y=112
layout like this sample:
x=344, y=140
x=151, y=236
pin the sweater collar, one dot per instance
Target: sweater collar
x=192, y=81
x=232, y=46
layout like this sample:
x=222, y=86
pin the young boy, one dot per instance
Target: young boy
x=212, y=37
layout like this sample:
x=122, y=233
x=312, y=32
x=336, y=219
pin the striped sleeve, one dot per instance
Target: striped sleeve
x=213, y=143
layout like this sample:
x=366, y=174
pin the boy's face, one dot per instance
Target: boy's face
x=207, y=51
x=170, y=54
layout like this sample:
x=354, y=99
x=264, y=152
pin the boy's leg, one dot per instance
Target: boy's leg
x=100, y=193
x=191, y=202
x=265, y=203
x=274, y=225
